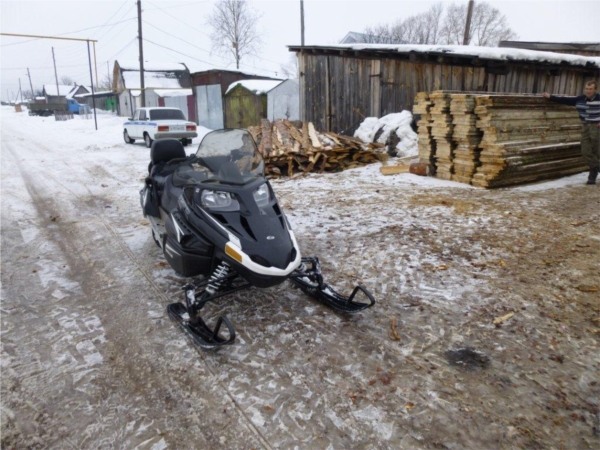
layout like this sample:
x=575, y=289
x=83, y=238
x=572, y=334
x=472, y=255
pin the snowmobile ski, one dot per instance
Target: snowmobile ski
x=309, y=279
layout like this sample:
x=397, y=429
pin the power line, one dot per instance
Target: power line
x=197, y=59
x=70, y=32
x=202, y=32
x=177, y=6
x=204, y=50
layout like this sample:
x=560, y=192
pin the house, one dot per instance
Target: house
x=104, y=100
x=573, y=48
x=340, y=85
x=210, y=87
x=246, y=102
x=161, y=77
x=64, y=93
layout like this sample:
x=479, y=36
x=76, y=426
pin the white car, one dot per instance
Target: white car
x=158, y=123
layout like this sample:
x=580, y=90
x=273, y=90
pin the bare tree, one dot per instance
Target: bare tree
x=67, y=80
x=235, y=30
x=488, y=25
x=290, y=70
x=105, y=84
x=436, y=26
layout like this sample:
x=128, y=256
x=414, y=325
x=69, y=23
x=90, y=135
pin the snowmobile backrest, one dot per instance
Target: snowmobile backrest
x=165, y=150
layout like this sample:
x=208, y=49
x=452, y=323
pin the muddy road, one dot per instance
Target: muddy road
x=90, y=360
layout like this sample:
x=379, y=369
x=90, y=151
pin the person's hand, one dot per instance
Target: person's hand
x=546, y=95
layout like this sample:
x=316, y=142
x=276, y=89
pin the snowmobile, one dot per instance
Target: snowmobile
x=217, y=220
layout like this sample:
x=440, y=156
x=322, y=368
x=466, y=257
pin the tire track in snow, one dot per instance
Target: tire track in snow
x=44, y=210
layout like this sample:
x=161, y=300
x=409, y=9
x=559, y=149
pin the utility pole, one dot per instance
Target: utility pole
x=302, y=22
x=55, y=75
x=92, y=82
x=20, y=91
x=468, y=24
x=108, y=73
x=139, y=9
x=31, y=86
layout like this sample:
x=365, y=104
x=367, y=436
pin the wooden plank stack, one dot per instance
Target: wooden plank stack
x=442, y=130
x=295, y=147
x=465, y=136
x=503, y=139
x=425, y=141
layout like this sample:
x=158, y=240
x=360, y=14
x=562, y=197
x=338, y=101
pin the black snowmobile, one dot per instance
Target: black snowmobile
x=216, y=218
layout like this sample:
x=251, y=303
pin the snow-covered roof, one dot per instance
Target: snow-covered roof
x=492, y=53
x=152, y=80
x=257, y=86
x=40, y=98
x=95, y=93
x=63, y=89
x=159, y=66
x=194, y=70
x=173, y=92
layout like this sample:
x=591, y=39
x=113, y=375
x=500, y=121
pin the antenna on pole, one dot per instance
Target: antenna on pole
x=466, y=37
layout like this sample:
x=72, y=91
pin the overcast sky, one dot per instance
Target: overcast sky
x=169, y=23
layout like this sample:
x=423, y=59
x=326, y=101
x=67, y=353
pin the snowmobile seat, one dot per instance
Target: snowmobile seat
x=164, y=150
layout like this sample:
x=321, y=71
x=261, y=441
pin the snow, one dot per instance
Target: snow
x=63, y=89
x=159, y=66
x=395, y=122
x=257, y=86
x=152, y=80
x=173, y=92
x=494, y=53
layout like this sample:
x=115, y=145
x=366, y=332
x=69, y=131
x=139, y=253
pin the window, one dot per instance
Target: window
x=143, y=114
x=166, y=114
x=136, y=116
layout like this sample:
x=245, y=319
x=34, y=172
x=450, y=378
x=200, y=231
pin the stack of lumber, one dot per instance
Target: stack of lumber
x=465, y=136
x=493, y=140
x=441, y=131
x=425, y=141
x=526, y=138
x=296, y=147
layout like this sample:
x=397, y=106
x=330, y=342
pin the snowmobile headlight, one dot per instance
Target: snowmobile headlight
x=262, y=195
x=219, y=201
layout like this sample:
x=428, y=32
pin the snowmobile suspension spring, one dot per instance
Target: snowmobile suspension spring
x=217, y=278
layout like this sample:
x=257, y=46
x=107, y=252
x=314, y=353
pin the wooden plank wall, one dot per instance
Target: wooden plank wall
x=337, y=91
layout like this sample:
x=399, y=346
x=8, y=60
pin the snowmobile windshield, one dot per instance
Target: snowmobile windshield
x=231, y=156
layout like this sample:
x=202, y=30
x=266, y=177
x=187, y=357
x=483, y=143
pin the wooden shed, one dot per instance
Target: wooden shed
x=157, y=76
x=340, y=85
x=246, y=102
x=210, y=87
x=573, y=48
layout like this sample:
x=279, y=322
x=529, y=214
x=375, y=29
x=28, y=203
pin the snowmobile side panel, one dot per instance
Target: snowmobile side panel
x=185, y=262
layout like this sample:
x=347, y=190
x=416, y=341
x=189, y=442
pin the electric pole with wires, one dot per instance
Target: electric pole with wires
x=142, y=86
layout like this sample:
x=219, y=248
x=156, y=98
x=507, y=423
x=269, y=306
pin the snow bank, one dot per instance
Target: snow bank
x=395, y=122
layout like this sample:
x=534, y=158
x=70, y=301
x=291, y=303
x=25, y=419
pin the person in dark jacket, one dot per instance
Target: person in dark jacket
x=588, y=107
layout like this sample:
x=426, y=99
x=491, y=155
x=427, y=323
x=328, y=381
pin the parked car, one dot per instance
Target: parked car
x=77, y=108
x=158, y=123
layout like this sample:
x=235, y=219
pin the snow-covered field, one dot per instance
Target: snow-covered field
x=89, y=359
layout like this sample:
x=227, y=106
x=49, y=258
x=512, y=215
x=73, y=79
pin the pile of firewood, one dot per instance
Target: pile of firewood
x=492, y=140
x=296, y=147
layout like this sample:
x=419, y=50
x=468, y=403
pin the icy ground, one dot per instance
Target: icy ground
x=89, y=359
